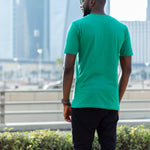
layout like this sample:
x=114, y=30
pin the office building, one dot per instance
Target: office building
x=21, y=37
x=30, y=25
x=107, y=7
x=72, y=12
x=6, y=44
x=140, y=38
x=62, y=14
x=31, y=29
x=57, y=24
x=148, y=10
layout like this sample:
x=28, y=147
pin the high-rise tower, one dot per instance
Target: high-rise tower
x=6, y=44
x=31, y=29
x=107, y=7
x=148, y=10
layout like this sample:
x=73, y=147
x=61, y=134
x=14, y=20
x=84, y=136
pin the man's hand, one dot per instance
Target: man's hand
x=67, y=113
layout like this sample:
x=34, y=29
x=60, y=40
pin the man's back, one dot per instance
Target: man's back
x=98, y=41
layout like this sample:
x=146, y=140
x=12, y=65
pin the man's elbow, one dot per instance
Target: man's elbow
x=68, y=70
x=127, y=71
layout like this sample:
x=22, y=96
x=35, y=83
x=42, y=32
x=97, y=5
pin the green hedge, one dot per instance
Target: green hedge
x=128, y=138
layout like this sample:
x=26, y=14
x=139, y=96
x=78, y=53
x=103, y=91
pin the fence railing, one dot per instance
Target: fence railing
x=2, y=107
x=42, y=103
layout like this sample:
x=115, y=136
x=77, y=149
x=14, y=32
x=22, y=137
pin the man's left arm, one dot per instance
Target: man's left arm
x=67, y=82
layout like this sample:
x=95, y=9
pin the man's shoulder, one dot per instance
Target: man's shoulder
x=79, y=21
x=117, y=22
x=86, y=18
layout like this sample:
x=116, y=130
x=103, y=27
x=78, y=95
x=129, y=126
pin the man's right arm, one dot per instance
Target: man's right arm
x=125, y=62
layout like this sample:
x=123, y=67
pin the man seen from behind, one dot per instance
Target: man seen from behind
x=96, y=43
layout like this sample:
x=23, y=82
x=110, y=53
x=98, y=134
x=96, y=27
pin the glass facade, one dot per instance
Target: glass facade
x=6, y=44
x=31, y=29
x=31, y=26
x=140, y=37
x=148, y=9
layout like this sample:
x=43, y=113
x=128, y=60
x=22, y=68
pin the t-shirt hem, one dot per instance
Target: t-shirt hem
x=127, y=54
x=68, y=52
x=108, y=108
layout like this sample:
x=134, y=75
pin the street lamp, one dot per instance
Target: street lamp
x=37, y=35
x=39, y=51
x=15, y=60
x=147, y=64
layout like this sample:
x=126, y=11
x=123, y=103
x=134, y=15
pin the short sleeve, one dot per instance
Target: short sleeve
x=72, y=42
x=126, y=49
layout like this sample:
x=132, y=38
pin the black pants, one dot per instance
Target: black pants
x=84, y=123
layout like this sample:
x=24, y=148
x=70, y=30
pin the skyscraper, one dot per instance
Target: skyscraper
x=31, y=29
x=62, y=14
x=57, y=23
x=107, y=7
x=148, y=9
x=73, y=12
x=140, y=35
x=20, y=30
x=38, y=21
x=6, y=44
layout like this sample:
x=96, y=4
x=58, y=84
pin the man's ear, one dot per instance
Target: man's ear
x=92, y=3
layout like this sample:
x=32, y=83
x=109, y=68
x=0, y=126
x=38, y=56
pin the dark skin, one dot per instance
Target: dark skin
x=125, y=63
x=67, y=82
x=94, y=7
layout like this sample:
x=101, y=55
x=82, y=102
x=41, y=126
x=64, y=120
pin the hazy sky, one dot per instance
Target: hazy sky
x=129, y=9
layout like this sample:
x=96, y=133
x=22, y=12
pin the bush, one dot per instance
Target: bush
x=133, y=138
x=36, y=140
x=128, y=138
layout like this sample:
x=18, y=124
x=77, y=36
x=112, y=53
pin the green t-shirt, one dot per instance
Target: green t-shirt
x=98, y=41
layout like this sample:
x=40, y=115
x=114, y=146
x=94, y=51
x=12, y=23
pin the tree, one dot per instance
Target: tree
x=59, y=61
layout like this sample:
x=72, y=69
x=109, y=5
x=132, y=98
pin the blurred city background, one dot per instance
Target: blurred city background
x=33, y=37
x=32, y=40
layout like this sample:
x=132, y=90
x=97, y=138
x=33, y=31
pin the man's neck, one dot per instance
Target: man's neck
x=98, y=10
x=101, y=12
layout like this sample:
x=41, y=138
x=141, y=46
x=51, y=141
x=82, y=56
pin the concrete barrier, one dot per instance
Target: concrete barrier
x=29, y=110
